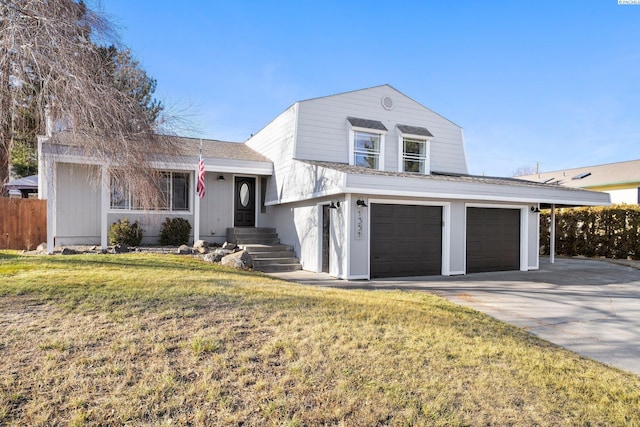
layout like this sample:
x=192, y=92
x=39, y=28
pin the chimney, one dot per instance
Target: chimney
x=48, y=122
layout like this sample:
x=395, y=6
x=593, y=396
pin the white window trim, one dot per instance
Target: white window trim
x=131, y=211
x=427, y=160
x=352, y=133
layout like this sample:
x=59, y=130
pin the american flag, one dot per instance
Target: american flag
x=200, y=186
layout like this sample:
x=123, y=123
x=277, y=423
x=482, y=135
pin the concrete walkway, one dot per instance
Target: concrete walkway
x=588, y=306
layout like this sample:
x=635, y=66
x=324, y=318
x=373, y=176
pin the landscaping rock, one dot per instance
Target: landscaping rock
x=121, y=249
x=240, y=260
x=201, y=246
x=42, y=248
x=184, y=250
x=230, y=246
x=217, y=255
x=68, y=251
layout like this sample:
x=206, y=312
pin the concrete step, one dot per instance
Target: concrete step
x=272, y=255
x=268, y=261
x=266, y=239
x=260, y=248
x=252, y=230
x=263, y=244
x=279, y=268
x=247, y=234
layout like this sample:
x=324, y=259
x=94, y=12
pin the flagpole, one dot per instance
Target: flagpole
x=196, y=207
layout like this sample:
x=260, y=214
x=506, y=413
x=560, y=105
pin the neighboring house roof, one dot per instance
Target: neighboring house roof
x=601, y=177
x=26, y=183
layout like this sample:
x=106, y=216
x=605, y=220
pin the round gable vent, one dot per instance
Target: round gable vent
x=387, y=103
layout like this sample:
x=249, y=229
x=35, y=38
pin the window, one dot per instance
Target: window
x=366, y=143
x=413, y=149
x=366, y=149
x=174, y=187
x=414, y=155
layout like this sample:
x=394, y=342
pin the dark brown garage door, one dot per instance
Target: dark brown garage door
x=493, y=239
x=406, y=240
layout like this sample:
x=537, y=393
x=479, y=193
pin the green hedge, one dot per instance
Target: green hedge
x=610, y=232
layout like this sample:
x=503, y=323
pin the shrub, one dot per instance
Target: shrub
x=610, y=232
x=175, y=231
x=125, y=233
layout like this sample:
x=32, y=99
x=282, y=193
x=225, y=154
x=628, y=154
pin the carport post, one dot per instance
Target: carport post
x=552, y=236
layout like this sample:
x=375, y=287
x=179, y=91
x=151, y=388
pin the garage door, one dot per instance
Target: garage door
x=493, y=239
x=406, y=240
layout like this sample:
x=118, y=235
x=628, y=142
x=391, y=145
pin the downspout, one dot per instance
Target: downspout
x=552, y=236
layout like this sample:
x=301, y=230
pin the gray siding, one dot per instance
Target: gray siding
x=458, y=237
x=216, y=209
x=150, y=222
x=299, y=225
x=78, y=204
x=304, y=181
x=533, y=263
x=359, y=250
x=276, y=142
x=323, y=130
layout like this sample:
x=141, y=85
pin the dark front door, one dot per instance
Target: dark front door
x=406, y=240
x=326, y=236
x=493, y=239
x=245, y=202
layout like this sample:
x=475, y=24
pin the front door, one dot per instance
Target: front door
x=326, y=235
x=245, y=202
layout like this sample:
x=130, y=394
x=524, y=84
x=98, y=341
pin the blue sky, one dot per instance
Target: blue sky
x=553, y=82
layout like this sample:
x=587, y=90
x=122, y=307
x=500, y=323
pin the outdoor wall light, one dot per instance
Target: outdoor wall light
x=221, y=178
x=535, y=209
x=361, y=202
x=334, y=205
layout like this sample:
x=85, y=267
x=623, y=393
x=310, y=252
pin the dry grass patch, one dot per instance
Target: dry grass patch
x=156, y=339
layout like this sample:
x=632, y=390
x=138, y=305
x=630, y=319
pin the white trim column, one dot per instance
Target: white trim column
x=50, y=171
x=105, y=203
x=552, y=236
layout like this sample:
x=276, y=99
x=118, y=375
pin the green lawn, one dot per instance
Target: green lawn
x=161, y=339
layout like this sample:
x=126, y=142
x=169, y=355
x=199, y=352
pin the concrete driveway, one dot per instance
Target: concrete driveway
x=590, y=307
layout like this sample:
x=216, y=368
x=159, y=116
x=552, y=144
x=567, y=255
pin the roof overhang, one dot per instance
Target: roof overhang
x=67, y=154
x=364, y=181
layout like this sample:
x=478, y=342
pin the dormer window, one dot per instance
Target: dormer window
x=414, y=149
x=414, y=155
x=366, y=149
x=366, y=143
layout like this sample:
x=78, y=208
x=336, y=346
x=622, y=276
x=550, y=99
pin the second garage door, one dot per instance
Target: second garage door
x=406, y=240
x=493, y=239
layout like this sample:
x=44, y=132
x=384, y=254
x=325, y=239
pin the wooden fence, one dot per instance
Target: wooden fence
x=23, y=223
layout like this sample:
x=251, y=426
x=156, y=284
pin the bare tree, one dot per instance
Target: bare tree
x=50, y=58
x=525, y=170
